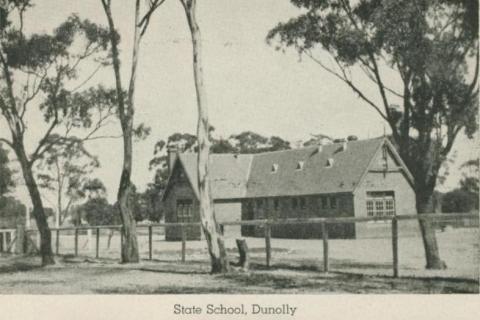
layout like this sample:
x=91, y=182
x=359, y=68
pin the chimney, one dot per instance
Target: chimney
x=172, y=153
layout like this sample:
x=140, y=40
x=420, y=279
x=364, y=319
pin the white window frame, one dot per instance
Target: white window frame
x=380, y=204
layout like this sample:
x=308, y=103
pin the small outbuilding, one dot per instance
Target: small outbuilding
x=347, y=179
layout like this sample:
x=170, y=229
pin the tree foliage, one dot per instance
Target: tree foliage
x=12, y=212
x=246, y=142
x=41, y=72
x=6, y=174
x=64, y=172
x=430, y=44
x=470, y=179
x=465, y=198
x=97, y=212
x=430, y=47
x=459, y=200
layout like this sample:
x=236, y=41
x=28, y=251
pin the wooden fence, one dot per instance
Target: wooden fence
x=7, y=240
x=267, y=224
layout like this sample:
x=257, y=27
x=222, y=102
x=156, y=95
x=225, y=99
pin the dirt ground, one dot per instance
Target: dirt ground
x=459, y=248
x=22, y=275
x=356, y=266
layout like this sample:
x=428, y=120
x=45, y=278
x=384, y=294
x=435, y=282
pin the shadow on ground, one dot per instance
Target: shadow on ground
x=87, y=275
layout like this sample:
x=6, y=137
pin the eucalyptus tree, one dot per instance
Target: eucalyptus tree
x=211, y=229
x=64, y=171
x=41, y=72
x=422, y=59
x=126, y=110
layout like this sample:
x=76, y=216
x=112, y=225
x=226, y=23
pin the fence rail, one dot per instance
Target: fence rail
x=266, y=223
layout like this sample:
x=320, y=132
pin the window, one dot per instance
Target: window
x=324, y=202
x=259, y=203
x=294, y=203
x=370, y=210
x=333, y=202
x=389, y=207
x=276, y=204
x=303, y=203
x=185, y=210
x=379, y=207
x=380, y=204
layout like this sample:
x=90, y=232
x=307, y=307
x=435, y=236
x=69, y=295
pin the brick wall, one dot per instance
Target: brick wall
x=299, y=207
x=181, y=189
x=395, y=181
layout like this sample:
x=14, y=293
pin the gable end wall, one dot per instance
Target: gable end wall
x=395, y=181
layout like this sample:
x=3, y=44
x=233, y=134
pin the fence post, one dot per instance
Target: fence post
x=97, y=243
x=89, y=240
x=39, y=239
x=121, y=242
x=395, y=246
x=20, y=244
x=150, y=234
x=5, y=242
x=184, y=244
x=57, y=241
x=268, y=247
x=325, y=246
x=76, y=241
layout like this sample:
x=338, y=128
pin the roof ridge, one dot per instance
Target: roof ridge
x=284, y=150
x=314, y=146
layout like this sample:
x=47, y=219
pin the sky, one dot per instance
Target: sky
x=250, y=85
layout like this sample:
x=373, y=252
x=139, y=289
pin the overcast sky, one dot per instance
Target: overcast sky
x=250, y=86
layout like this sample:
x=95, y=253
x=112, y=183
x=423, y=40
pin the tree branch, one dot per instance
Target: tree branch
x=7, y=142
x=371, y=77
x=115, y=59
x=15, y=121
x=348, y=82
x=375, y=69
x=146, y=18
x=87, y=79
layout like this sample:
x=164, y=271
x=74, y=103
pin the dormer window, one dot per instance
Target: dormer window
x=300, y=165
x=274, y=167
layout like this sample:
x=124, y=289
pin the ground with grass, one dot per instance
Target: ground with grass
x=356, y=266
x=459, y=248
x=75, y=275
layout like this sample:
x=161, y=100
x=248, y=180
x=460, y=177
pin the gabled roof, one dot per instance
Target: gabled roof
x=293, y=172
x=228, y=173
x=317, y=176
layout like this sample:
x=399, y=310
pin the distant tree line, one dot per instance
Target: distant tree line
x=465, y=198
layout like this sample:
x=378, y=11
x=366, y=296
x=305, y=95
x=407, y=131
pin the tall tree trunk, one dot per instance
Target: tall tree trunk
x=216, y=245
x=424, y=187
x=126, y=109
x=425, y=201
x=129, y=239
x=38, y=210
